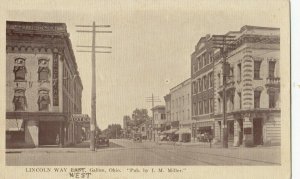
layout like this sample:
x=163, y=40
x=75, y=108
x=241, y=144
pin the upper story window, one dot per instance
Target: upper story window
x=272, y=99
x=19, y=100
x=163, y=116
x=272, y=69
x=20, y=69
x=257, y=99
x=43, y=71
x=211, y=79
x=211, y=105
x=44, y=100
x=200, y=107
x=239, y=72
x=200, y=85
x=204, y=82
x=257, y=69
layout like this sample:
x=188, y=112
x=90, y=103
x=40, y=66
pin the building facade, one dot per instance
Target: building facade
x=159, y=120
x=43, y=86
x=252, y=88
x=202, y=88
x=181, y=109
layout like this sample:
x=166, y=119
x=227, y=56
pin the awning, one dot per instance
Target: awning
x=184, y=131
x=170, y=131
x=80, y=118
x=14, y=125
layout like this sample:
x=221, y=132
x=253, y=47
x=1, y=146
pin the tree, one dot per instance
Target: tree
x=139, y=116
x=113, y=131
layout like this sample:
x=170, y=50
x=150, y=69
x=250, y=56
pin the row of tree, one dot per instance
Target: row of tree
x=138, y=117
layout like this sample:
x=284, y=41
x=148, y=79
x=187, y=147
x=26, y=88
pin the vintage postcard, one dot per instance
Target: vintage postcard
x=145, y=89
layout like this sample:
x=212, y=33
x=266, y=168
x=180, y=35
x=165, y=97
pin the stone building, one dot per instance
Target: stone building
x=253, y=88
x=43, y=86
x=202, y=88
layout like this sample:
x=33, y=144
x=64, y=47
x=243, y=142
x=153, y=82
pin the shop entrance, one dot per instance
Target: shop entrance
x=257, y=131
x=241, y=131
x=230, y=128
x=48, y=133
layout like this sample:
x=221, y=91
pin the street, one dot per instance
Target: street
x=127, y=152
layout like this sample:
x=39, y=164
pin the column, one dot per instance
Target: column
x=248, y=131
x=61, y=134
x=32, y=133
x=237, y=130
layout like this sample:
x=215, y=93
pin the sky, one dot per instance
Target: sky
x=151, y=43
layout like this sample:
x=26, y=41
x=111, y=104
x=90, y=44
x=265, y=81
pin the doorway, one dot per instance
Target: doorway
x=257, y=131
x=48, y=132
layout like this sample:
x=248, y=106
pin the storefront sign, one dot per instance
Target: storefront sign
x=55, y=80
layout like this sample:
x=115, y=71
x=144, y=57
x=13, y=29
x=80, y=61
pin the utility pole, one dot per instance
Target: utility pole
x=93, y=122
x=224, y=42
x=152, y=99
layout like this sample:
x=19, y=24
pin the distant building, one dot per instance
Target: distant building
x=159, y=120
x=43, y=86
x=253, y=90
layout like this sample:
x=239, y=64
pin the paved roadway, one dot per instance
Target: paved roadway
x=126, y=152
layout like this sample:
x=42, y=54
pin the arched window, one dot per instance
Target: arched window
x=20, y=69
x=44, y=100
x=19, y=100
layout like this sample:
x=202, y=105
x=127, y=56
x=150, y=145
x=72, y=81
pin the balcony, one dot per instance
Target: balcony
x=273, y=82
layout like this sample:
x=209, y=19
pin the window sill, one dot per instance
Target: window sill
x=20, y=80
x=257, y=79
x=43, y=81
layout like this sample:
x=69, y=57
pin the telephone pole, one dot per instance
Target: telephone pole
x=93, y=122
x=224, y=42
x=152, y=99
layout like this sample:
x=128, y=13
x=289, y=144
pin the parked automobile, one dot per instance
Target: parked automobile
x=137, y=137
x=102, y=140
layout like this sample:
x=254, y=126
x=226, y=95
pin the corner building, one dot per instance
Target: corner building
x=43, y=86
x=252, y=90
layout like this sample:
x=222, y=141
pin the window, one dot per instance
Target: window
x=20, y=100
x=210, y=58
x=201, y=61
x=195, y=109
x=199, y=64
x=257, y=99
x=219, y=79
x=211, y=80
x=240, y=99
x=43, y=71
x=44, y=100
x=195, y=87
x=272, y=69
x=211, y=103
x=163, y=116
x=204, y=82
x=200, y=107
x=239, y=73
x=257, y=69
x=20, y=69
x=272, y=102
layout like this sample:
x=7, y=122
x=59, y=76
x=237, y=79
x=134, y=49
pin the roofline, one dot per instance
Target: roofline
x=180, y=83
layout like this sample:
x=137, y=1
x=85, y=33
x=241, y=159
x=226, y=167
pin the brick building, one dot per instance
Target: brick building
x=43, y=86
